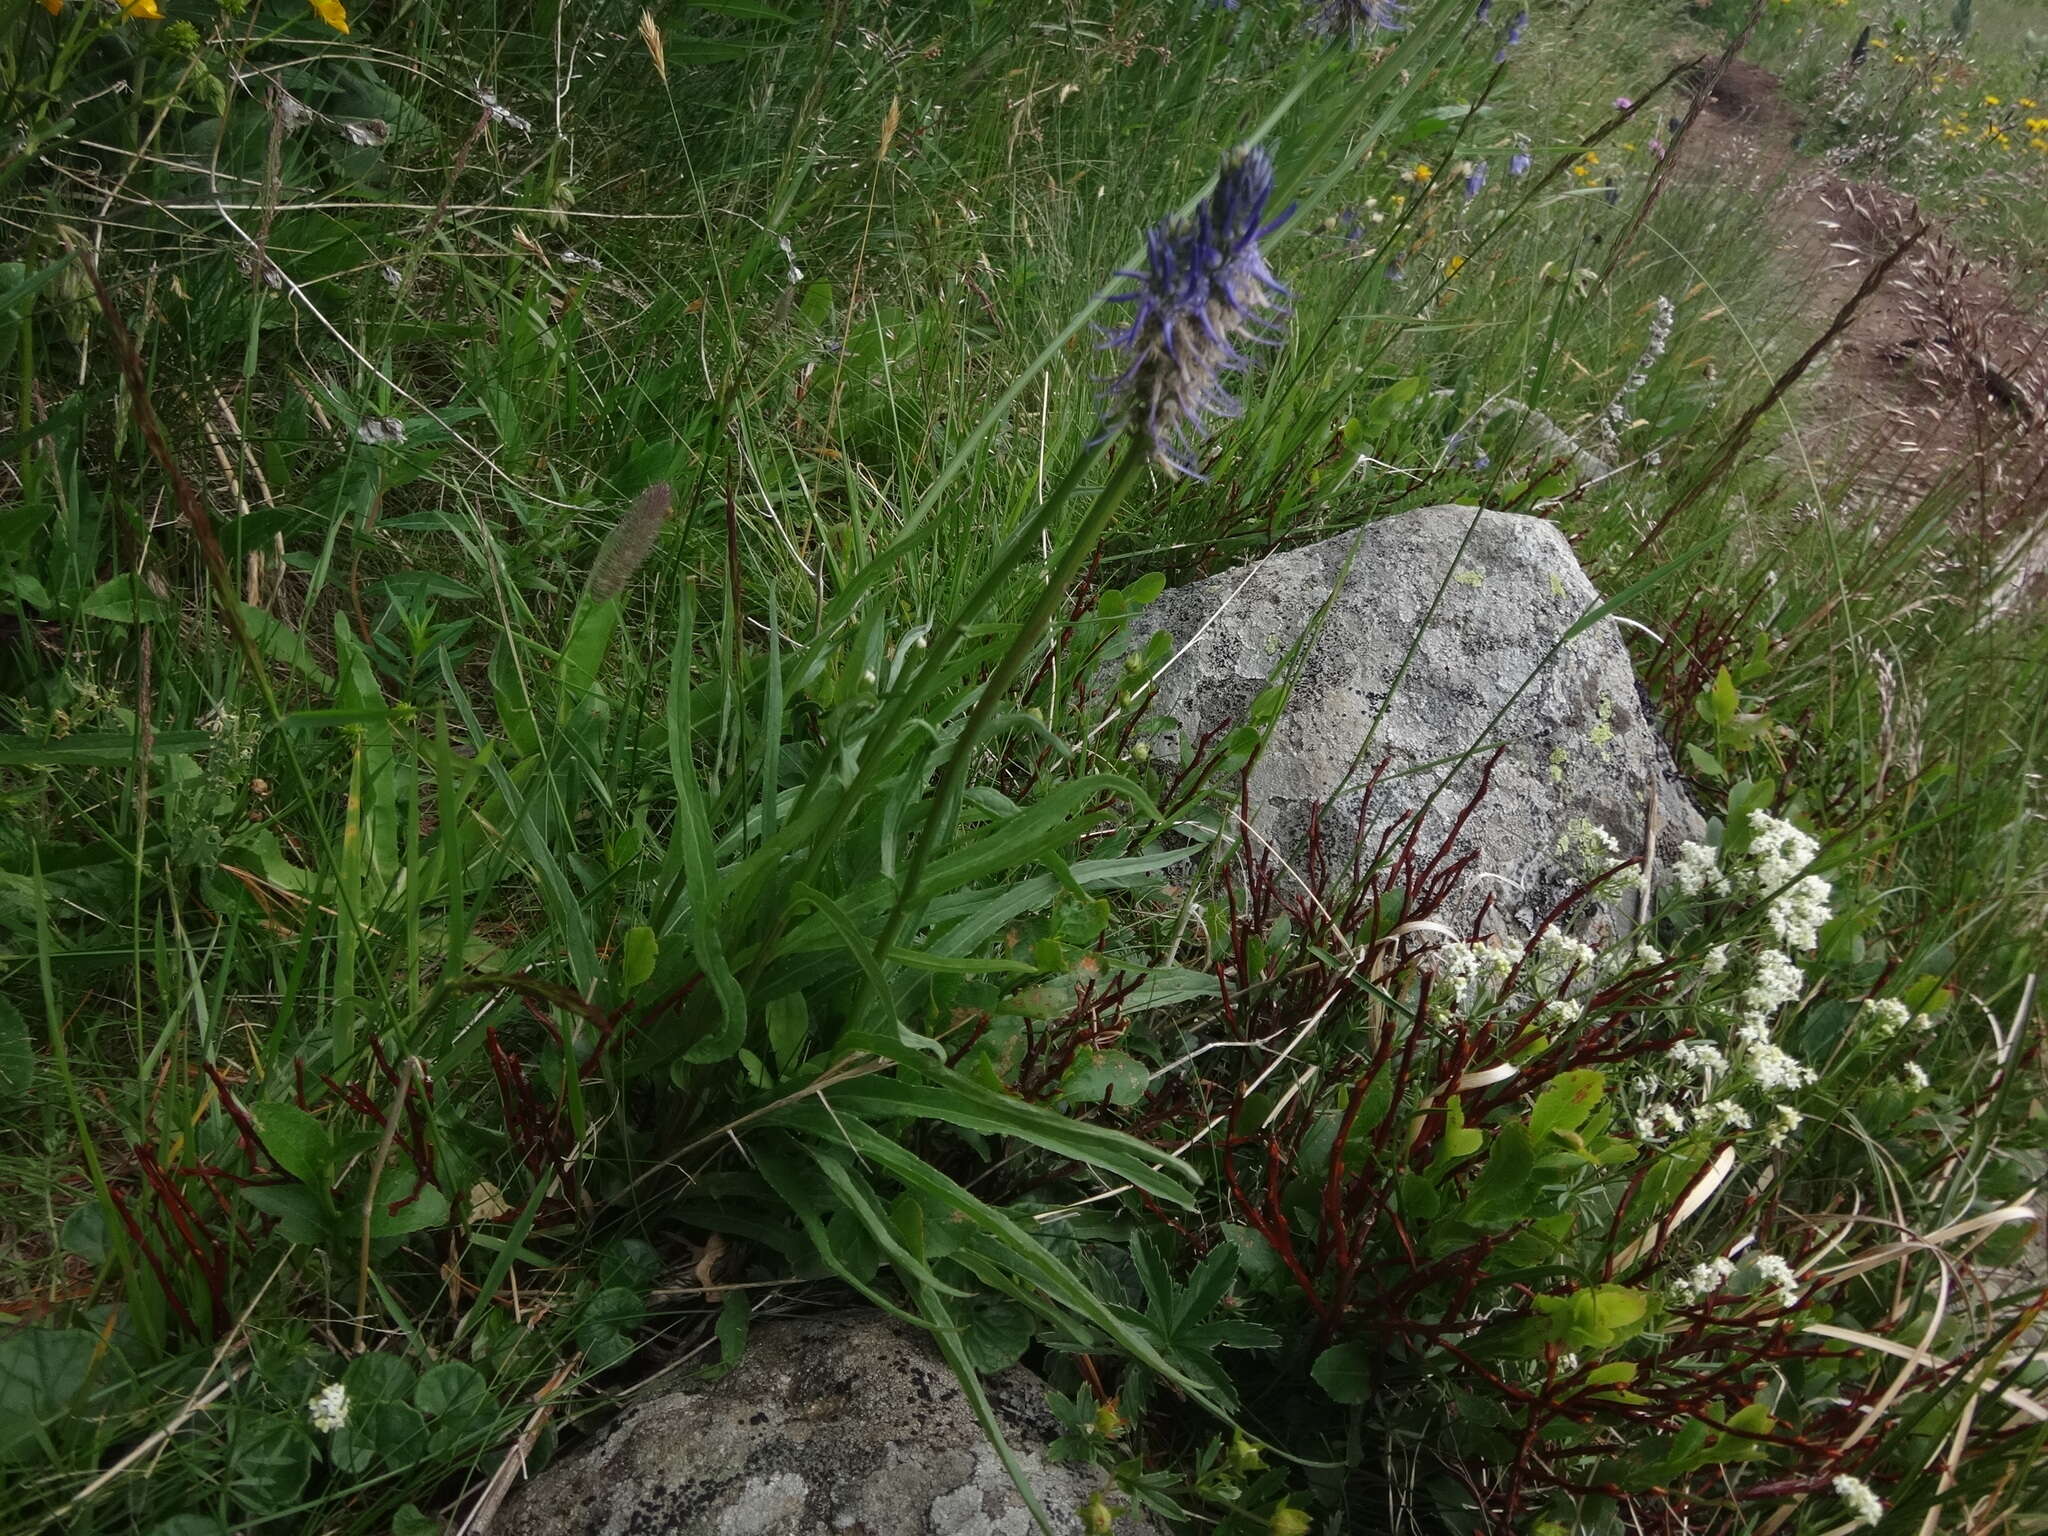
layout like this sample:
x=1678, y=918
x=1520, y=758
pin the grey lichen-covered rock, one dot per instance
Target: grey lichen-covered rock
x=1483, y=598
x=840, y=1426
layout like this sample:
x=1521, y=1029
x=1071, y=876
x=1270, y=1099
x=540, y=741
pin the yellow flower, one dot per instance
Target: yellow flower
x=1451, y=267
x=333, y=12
x=1422, y=173
x=54, y=7
x=2028, y=101
x=142, y=10
x=1580, y=170
x=1993, y=101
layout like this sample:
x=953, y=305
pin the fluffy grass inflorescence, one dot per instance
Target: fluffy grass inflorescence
x=467, y=951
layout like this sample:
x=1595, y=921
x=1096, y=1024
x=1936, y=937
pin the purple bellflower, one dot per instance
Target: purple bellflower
x=1205, y=288
x=1516, y=27
x=1475, y=180
x=1356, y=20
x=1518, y=163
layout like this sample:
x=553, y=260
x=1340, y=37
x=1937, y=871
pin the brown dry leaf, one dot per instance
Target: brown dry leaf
x=706, y=1269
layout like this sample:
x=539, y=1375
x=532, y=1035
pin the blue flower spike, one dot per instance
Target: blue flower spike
x=1205, y=292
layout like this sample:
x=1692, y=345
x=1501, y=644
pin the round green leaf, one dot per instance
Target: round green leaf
x=452, y=1390
x=1345, y=1372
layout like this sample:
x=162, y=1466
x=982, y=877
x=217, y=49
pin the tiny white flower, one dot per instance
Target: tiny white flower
x=1796, y=916
x=1913, y=1075
x=1786, y=1122
x=1657, y=1120
x=1714, y=961
x=1863, y=1503
x=1772, y=1271
x=1592, y=852
x=1704, y=1279
x=1777, y=982
x=1883, y=1017
x=1778, y=851
x=1559, y=1012
x=1724, y=1112
x=1559, y=955
x=1700, y=1057
x=329, y=1407
x=1697, y=871
x=1776, y=1070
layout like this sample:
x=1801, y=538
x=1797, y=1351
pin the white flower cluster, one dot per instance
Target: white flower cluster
x=329, y=1408
x=1701, y=1058
x=1864, y=1504
x=1724, y=1112
x=1778, y=851
x=1592, y=852
x=1913, y=1075
x=1768, y=1270
x=1777, y=982
x=1796, y=916
x=1704, y=1280
x=1886, y=1018
x=1659, y=1120
x=1697, y=871
x=1775, y=1069
x=1785, y=1121
x=1468, y=976
x=1558, y=956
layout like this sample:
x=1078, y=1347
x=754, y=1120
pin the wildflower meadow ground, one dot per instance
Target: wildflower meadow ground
x=568, y=789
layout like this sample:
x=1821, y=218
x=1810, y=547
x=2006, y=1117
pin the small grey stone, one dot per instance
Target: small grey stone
x=839, y=1426
x=1578, y=737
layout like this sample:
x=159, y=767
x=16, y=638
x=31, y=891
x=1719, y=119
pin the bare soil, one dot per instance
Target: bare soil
x=1939, y=385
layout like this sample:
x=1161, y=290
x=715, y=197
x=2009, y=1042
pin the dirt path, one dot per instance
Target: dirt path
x=1940, y=384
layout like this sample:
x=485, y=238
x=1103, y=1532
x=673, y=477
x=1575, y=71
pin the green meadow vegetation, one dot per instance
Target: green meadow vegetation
x=565, y=790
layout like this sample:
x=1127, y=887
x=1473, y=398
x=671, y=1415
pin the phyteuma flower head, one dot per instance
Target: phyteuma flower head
x=1205, y=289
x=1355, y=20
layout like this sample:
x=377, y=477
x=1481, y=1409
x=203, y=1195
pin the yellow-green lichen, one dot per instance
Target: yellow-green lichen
x=1603, y=727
